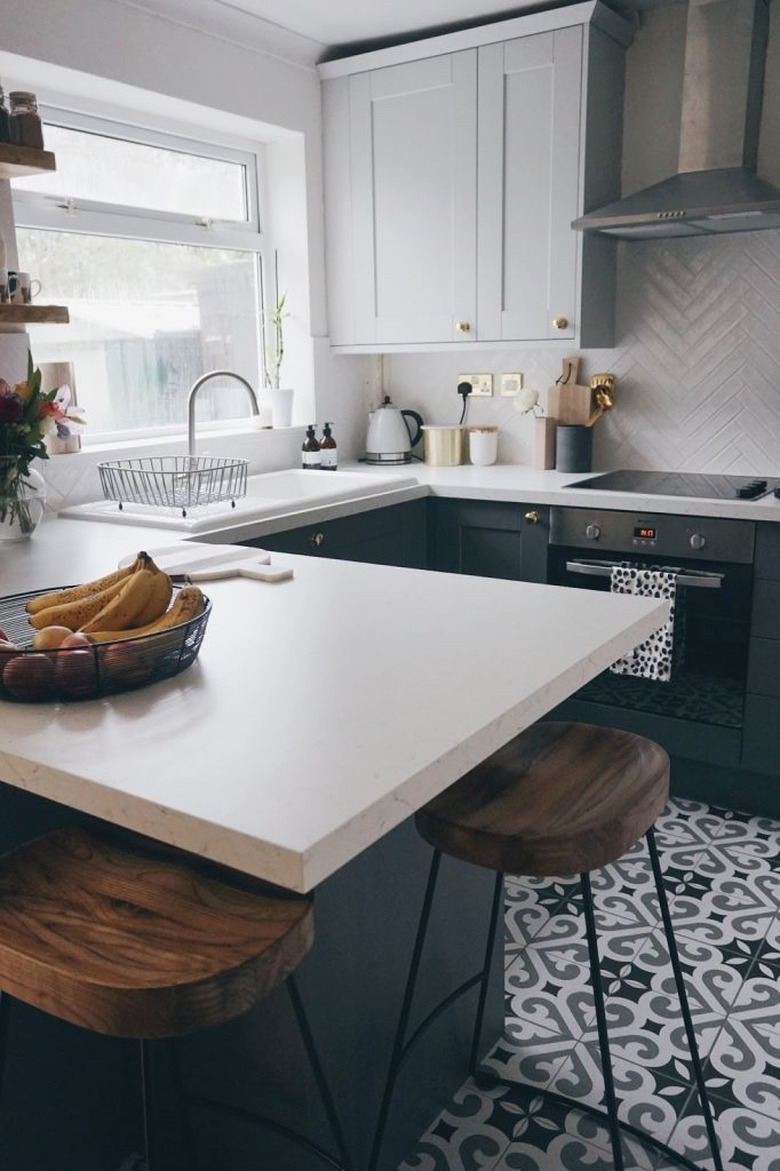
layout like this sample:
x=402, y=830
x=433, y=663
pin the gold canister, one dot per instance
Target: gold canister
x=444, y=447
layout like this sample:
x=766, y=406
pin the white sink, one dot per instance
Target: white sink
x=268, y=495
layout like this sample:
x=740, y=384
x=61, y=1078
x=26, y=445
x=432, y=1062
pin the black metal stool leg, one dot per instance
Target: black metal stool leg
x=601, y=1023
x=683, y=997
x=181, y=1098
x=498, y=892
x=5, y=1013
x=318, y=1071
x=146, y=1102
x=403, y=1021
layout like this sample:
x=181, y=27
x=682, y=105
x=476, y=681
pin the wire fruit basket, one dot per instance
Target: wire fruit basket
x=105, y=668
x=180, y=482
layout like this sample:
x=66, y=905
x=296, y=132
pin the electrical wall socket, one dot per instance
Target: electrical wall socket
x=481, y=384
x=511, y=384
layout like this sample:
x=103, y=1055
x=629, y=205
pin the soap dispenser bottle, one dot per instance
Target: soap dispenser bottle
x=311, y=449
x=328, y=453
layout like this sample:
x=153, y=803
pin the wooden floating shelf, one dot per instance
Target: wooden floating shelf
x=34, y=315
x=23, y=160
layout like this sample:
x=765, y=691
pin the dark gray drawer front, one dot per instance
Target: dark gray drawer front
x=764, y=667
x=766, y=609
x=760, y=734
x=767, y=562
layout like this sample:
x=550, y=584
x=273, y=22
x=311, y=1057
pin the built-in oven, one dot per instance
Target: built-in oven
x=712, y=560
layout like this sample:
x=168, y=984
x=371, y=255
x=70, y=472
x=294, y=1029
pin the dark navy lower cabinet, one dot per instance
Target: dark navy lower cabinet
x=489, y=538
x=395, y=535
x=761, y=728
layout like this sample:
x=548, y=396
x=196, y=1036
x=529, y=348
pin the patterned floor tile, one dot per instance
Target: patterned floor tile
x=463, y=1137
x=646, y=1098
x=528, y=1063
x=722, y=871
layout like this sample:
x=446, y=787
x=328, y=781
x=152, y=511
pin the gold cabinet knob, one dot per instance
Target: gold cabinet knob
x=533, y=517
x=560, y=322
x=463, y=326
x=317, y=539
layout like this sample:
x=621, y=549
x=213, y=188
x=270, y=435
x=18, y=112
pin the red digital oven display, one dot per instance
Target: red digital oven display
x=645, y=532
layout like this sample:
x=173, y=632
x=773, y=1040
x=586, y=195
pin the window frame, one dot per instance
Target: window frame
x=33, y=209
x=42, y=211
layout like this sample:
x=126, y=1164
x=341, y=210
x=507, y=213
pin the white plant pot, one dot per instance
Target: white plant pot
x=281, y=400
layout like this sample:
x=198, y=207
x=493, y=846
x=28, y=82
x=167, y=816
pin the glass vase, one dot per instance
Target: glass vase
x=22, y=501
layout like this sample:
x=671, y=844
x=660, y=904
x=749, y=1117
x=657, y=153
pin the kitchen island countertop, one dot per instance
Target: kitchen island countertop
x=322, y=711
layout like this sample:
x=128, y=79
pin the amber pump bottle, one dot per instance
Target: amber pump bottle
x=310, y=451
x=328, y=452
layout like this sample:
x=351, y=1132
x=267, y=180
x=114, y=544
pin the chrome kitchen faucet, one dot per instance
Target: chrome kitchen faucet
x=204, y=378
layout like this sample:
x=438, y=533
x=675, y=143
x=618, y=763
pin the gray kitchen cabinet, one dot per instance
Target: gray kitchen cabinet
x=489, y=539
x=395, y=535
x=453, y=169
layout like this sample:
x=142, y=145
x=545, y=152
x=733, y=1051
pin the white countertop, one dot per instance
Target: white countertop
x=513, y=482
x=322, y=711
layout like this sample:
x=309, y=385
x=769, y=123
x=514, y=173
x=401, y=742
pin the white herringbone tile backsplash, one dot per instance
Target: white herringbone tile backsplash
x=697, y=361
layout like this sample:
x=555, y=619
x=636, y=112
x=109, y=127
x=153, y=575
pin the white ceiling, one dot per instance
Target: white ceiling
x=338, y=22
x=303, y=30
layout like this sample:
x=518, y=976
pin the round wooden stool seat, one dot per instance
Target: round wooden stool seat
x=558, y=799
x=134, y=942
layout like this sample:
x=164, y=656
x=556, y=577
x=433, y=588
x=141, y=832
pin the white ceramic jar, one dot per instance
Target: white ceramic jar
x=483, y=445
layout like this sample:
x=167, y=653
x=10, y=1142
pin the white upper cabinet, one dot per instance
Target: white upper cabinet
x=453, y=169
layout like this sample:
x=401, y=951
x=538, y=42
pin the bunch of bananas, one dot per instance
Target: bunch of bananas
x=127, y=603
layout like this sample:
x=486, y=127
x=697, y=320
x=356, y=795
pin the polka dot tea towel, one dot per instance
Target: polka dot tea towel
x=652, y=659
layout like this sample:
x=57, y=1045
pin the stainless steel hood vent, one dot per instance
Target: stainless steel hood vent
x=717, y=189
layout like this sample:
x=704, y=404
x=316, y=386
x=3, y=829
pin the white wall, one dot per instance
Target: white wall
x=113, y=53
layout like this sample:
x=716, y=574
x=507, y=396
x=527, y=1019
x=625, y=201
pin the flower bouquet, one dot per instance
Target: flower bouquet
x=27, y=416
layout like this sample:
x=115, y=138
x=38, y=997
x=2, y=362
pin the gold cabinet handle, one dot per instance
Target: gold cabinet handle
x=533, y=517
x=463, y=326
x=317, y=539
x=560, y=322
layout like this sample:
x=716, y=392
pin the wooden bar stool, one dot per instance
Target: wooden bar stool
x=130, y=939
x=559, y=799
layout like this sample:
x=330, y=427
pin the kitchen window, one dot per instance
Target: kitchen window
x=153, y=241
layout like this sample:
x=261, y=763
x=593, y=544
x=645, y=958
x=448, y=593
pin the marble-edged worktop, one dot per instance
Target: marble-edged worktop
x=322, y=711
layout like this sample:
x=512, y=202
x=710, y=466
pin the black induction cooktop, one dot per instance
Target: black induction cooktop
x=683, y=484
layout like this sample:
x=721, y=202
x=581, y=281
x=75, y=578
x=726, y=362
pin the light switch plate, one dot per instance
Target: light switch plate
x=481, y=384
x=511, y=384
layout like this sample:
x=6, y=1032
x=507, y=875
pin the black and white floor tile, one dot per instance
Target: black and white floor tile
x=723, y=875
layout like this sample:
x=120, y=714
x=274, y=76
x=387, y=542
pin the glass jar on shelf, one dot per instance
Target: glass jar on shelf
x=26, y=127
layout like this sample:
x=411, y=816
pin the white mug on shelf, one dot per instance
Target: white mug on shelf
x=483, y=445
x=281, y=406
x=23, y=291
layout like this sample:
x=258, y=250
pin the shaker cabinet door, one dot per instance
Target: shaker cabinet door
x=529, y=177
x=413, y=131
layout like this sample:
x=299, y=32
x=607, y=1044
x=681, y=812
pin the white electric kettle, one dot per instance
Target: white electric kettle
x=389, y=439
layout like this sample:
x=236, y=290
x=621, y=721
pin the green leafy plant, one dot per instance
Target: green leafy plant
x=27, y=416
x=272, y=334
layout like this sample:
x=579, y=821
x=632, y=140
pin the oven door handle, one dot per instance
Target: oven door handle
x=700, y=581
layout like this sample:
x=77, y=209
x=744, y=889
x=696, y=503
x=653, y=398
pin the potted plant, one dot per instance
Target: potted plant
x=272, y=336
x=27, y=416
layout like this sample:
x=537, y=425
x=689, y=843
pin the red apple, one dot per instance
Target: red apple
x=75, y=673
x=29, y=676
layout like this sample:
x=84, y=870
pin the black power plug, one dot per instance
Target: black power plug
x=464, y=389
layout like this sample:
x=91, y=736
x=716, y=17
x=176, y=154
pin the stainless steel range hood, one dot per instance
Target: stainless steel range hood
x=717, y=189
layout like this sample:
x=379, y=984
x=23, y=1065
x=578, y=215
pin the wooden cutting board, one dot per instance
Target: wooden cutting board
x=567, y=401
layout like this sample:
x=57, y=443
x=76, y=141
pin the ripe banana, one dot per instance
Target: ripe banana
x=189, y=603
x=75, y=614
x=162, y=588
x=77, y=593
x=123, y=609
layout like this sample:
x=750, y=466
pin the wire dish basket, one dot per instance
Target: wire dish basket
x=179, y=482
x=105, y=668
